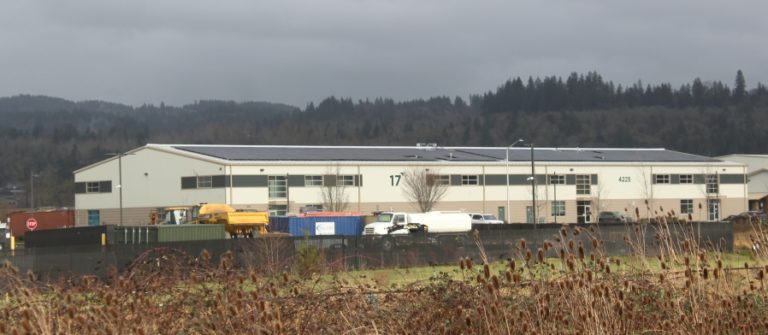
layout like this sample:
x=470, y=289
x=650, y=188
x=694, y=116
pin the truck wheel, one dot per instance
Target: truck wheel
x=387, y=244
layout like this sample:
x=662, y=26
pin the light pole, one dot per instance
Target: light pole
x=119, y=180
x=32, y=176
x=506, y=210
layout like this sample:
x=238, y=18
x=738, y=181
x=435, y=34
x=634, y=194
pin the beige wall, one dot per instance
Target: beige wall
x=137, y=216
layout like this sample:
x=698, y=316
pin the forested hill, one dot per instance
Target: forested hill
x=53, y=136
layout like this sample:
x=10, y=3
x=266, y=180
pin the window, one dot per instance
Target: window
x=278, y=210
x=277, y=187
x=92, y=187
x=311, y=208
x=686, y=179
x=583, y=186
x=399, y=219
x=435, y=179
x=346, y=181
x=661, y=179
x=104, y=186
x=313, y=180
x=204, y=181
x=558, y=208
x=686, y=206
x=712, y=186
x=556, y=180
x=470, y=180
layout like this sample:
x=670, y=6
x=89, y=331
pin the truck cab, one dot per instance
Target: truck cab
x=390, y=223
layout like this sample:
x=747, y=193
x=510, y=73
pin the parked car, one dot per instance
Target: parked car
x=612, y=217
x=484, y=219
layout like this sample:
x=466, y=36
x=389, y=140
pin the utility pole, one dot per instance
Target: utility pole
x=533, y=188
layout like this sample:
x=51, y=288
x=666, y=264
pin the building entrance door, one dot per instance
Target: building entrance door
x=713, y=209
x=584, y=212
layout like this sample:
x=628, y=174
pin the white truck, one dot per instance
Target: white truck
x=397, y=228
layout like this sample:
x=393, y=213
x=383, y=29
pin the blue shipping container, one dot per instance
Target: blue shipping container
x=279, y=224
x=326, y=225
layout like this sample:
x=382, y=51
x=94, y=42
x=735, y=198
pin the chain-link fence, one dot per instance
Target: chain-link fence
x=338, y=253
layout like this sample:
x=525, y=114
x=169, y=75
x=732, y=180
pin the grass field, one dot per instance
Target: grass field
x=685, y=290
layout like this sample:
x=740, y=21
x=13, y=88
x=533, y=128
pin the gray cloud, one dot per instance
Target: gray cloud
x=297, y=51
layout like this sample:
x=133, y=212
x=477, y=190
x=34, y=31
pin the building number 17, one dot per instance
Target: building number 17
x=394, y=180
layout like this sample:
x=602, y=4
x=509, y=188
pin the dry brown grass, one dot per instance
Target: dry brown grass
x=173, y=293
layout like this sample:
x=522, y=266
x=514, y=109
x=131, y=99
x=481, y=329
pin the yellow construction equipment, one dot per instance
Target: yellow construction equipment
x=236, y=223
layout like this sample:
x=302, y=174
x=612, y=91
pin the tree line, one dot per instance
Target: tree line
x=588, y=92
x=52, y=137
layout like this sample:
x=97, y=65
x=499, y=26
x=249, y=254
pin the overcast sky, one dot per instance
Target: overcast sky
x=297, y=51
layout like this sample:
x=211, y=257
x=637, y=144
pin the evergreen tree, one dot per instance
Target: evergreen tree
x=740, y=87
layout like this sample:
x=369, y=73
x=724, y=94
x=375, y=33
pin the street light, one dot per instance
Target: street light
x=507, y=208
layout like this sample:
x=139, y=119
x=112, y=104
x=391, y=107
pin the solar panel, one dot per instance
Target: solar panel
x=432, y=154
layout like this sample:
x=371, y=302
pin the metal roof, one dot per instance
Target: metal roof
x=434, y=154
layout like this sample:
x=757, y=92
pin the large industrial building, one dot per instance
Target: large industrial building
x=757, y=178
x=570, y=184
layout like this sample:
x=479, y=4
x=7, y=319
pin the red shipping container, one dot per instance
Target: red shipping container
x=54, y=219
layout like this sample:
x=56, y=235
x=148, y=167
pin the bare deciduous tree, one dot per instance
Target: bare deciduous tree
x=424, y=188
x=334, y=192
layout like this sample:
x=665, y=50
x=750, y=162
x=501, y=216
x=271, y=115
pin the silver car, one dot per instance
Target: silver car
x=484, y=219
